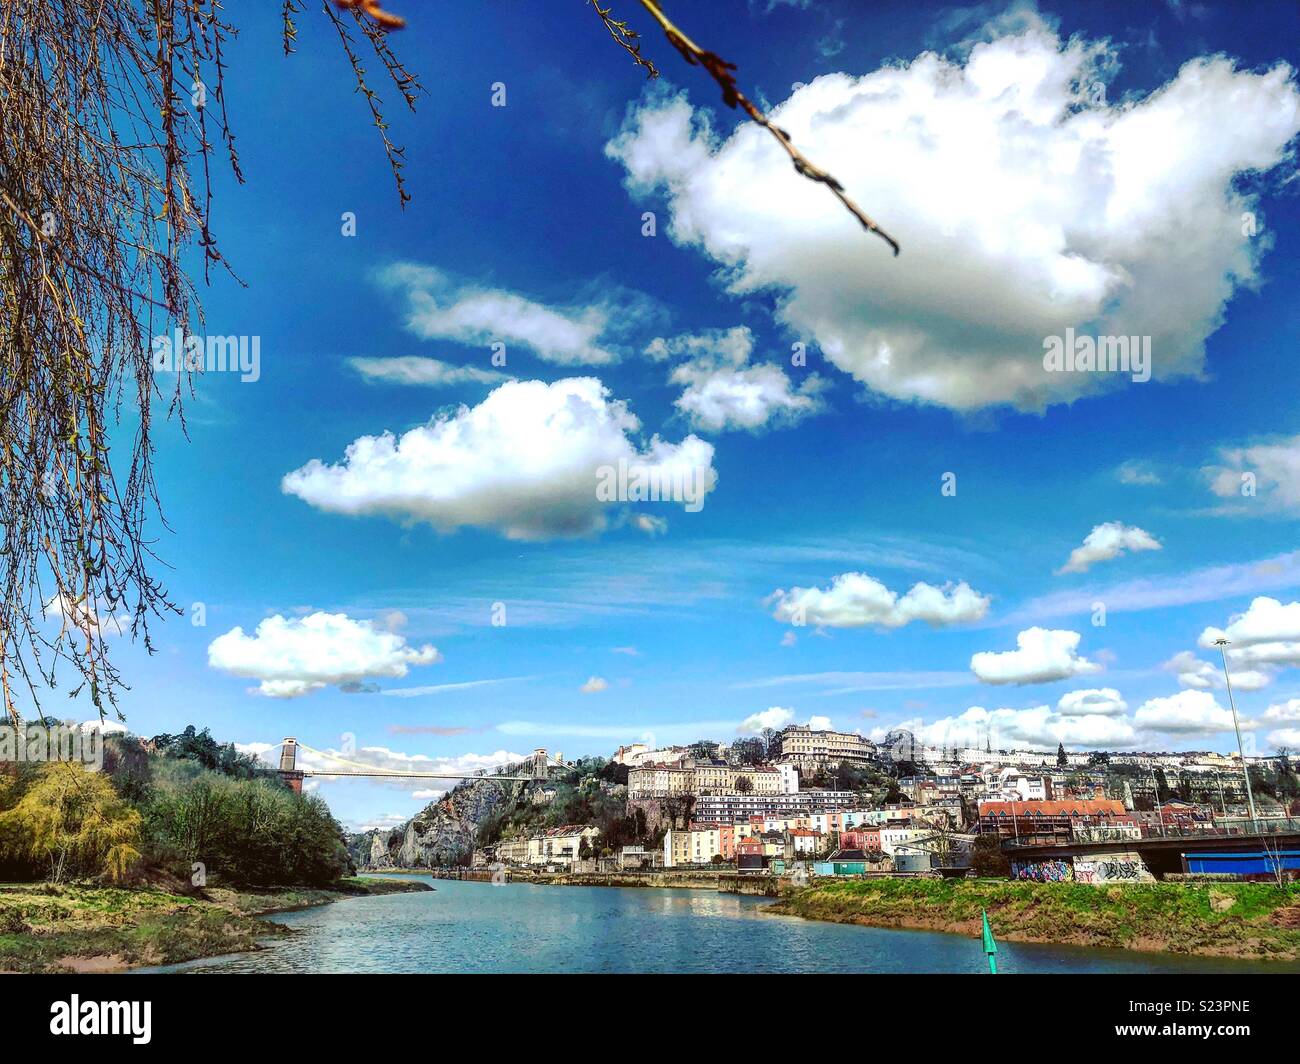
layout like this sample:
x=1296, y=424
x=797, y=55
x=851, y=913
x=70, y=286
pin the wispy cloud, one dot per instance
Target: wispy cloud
x=1202, y=585
x=441, y=688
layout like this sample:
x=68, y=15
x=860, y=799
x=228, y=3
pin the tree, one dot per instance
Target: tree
x=987, y=859
x=744, y=785
x=748, y=751
x=113, y=112
x=1061, y=760
x=71, y=822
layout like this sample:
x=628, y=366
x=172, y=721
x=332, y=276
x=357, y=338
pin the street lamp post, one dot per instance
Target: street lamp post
x=1222, y=644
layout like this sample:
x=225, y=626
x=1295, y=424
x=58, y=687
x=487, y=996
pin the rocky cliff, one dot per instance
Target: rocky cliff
x=442, y=833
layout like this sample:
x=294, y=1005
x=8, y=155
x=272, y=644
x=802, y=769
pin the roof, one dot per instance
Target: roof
x=1071, y=807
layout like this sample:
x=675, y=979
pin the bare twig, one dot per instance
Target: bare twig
x=626, y=37
x=721, y=72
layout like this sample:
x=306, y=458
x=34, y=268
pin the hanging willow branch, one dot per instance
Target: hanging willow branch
x=721, y=72
x=110, y=114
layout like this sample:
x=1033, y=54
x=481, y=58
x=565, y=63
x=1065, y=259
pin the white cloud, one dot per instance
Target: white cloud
x=1268, y=633
x=1287, y=712
x=1036, y=727
x=1266, y=621
x=1204, y=676
x=439, y=308
x=1098, y=701
x=1107, y=541
x=1043, y=655
x=819, y=723
x=775, y=717
x=1288, y=737
x=722, y=390
x=1186, y=713
x=1024, y=202
x=594, y=685
x=1273, y=468
x=523, y=462
x=1192, y=671
x=856, y=599
x=104, y=727
x=1137, y=473
x=424, y=372
x=295, y=656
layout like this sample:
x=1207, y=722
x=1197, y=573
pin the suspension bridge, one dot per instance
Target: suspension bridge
x=537, y=766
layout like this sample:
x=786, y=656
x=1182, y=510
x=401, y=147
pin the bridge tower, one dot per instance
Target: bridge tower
x=289, y=771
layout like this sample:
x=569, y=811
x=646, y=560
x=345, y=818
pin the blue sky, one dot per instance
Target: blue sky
x=1050, y=167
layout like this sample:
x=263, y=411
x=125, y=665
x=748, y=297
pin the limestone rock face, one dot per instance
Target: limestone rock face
x=441, y=834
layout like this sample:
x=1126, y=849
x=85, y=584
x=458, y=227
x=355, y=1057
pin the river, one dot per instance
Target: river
x=517, y=927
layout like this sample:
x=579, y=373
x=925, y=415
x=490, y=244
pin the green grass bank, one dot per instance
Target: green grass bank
x=1253, y=920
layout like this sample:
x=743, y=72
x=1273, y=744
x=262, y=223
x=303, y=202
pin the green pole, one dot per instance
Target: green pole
x=990, y=945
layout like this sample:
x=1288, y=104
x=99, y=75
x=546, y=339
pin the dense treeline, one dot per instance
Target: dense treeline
x=181, y=807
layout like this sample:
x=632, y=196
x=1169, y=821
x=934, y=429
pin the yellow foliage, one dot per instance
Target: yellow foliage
x=73, y=822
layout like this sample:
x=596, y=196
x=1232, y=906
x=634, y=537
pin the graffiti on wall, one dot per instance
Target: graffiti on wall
x=1050, y=871
x=1111, y=868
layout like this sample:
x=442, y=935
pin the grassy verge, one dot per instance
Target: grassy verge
x=1219, y=919
x=46, y=928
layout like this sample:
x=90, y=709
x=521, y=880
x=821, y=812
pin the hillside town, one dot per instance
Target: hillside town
x=804, y=802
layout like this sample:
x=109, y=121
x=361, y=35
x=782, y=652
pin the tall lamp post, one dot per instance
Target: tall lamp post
x=1222, y=644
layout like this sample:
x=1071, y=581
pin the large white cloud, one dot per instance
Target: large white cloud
x=1268, y=633
x=295, y=656
x=1273, y=471
x=1186, y=713
x=722, y=390
x=1036, y=727
x=526, y=462
x=1042, y=655
x=1025, y=203
x=855, y=599
x=441, y=308
x=1107, y=541
x=1097, y=701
